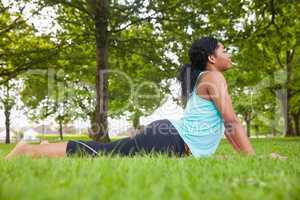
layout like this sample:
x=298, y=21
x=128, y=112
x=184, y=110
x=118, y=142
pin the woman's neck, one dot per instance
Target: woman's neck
x=211, y=68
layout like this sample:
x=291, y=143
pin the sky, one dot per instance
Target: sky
x=169, y=110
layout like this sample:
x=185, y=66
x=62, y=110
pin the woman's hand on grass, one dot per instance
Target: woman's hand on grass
x=277, y=156
x=274, y=155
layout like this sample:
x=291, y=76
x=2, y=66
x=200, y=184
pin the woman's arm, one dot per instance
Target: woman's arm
x=238, y=138
x=232, y=141
x=234, y=131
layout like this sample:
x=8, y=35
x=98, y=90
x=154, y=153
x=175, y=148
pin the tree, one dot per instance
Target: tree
x=273, y=37
x=94, y=15
x=40, y=111
x=21, y=49
x=8, y=93
x=62, y=98
x=119, y=31
x=135, y=37
x=295, y=87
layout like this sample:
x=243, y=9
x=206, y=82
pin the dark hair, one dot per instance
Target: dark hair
x=198, y=54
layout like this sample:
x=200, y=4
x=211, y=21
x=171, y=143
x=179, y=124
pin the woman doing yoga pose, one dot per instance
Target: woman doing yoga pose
x=208, y=115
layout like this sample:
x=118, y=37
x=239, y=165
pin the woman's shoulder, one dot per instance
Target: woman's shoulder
x=214, y=76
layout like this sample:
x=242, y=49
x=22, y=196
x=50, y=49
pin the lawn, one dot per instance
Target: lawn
x=157, y=176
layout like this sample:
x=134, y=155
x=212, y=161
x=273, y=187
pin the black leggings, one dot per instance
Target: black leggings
x=159, y=136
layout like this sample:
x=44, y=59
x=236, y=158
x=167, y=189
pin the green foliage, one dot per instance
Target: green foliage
x=20, y=48
x=265, y=50
x=61, y=98
x=262, y=36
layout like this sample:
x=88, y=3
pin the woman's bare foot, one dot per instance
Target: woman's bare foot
x=44, y=142
x=38, y=151
x=18, y=150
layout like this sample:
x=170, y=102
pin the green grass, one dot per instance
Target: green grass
x=66, y=137
x=55, y=137
x=157, y=177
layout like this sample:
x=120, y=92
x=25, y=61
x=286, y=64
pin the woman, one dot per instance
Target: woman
x=208, y=116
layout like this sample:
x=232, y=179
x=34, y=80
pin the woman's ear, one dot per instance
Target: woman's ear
x=211, y=59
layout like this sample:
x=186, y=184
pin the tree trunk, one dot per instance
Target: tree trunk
x=256, y=127
x=296, y=118
x=281, y=95
x=248, y=123
x=298, y=129
x=7, y=108
x=273, y=121
x=7, y=125
x=285, y=94
x=61, y=130
x=289, y=131
x=289, y=123
x=100, y=128
x=136, y=120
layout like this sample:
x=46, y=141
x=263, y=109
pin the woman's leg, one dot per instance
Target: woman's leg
x=159, y=136
x=125, y=146
x=40, y=150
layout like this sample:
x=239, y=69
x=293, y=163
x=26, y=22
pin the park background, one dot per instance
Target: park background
x=112, y=65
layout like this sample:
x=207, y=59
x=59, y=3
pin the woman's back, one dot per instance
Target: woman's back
x=201, y=126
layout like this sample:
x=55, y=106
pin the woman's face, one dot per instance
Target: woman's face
x=221, y=58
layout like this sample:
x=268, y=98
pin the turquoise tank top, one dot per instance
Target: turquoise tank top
x=202, y=126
